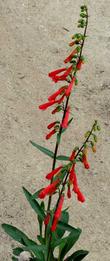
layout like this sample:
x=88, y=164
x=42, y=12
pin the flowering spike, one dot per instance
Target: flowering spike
x=65, y=121
x=49, y=190
x=46, y=105
x=68, y=59
x=53, y=172
x=69, y=89
x=50, y=134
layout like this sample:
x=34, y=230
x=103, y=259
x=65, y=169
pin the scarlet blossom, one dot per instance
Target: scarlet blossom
x=71, y=174
x=79, y=65
x=51, y=125
x=75, y=183
x=53, y=172
x=69, y=89
x=68, y=59
x=54, y=224
x=57, y=213
x=69, y=192
x=49, y=190
x=50, y=134
x=55, y=94
x=80, y=196
x=61, y=99
x=57, y=109
x=46, y=105
x=85, y=162
x=53, y=73
x=71, y=43
x=65, y=120
x=47, y=219
x=72, y=156
x=63, y=76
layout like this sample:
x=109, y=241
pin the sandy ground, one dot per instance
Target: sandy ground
x=32, y=43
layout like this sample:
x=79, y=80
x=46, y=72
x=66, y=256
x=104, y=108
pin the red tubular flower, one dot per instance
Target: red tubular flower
x=85, y=162
x=53, y=73
x=49, y=190
x=57, y=214
x=62, y=77
x=47, y=219
x=69, y=89
x=54, y=224
x=61, y=99
x=51, y=133
x=72, y=156
x=51, y=125
x=53, y=172
x=71, y=43
x=65, y=121
x=69, y=192
x=79, y=64
x=46, y=105
x=68, y=59
x=55, y=94
x=75, y=183
x=57, y=109
x=80, y=196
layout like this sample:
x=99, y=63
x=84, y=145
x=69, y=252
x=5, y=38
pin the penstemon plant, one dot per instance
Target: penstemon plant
x=53, y=219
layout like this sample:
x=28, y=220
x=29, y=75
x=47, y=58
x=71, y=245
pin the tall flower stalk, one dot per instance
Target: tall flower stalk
x=53, y=220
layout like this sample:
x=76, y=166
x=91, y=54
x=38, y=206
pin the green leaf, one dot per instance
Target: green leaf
x=38, y=250
x=41, y=239
x=62, y=157
x=17, y=251
x=65, y=219
x=78, y=255
x=66, y=227
x=68, y=242
x=34, y=204
x=35, y=195
x=42, y=149
x=40, y=220
x=16, y=234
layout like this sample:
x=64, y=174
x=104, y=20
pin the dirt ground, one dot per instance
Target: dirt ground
x=32, y=43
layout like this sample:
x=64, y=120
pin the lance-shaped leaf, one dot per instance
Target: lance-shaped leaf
x=17, y=234
x=64, y=218
x=68, y=242
x=34, y=204
x=43, y=149
x=78, y=255
x=67, y=227
x=62, y=157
